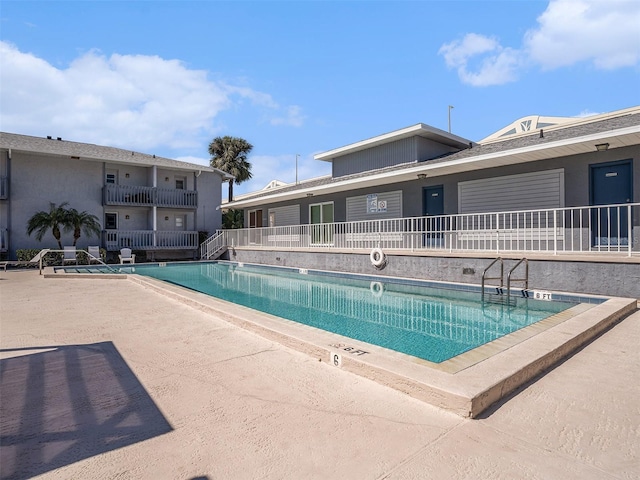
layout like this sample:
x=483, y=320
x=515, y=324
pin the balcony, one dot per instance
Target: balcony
x=149, y=196
x=114, y=240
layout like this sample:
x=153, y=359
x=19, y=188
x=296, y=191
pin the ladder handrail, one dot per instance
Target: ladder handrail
x=525, y=279
x=501, y=277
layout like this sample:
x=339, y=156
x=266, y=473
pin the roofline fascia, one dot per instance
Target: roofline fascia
x=386, y=138
x=182, y=166
x=426, y=167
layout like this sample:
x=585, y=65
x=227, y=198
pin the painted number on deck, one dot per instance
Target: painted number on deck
x=345, y=349
x=336, y=359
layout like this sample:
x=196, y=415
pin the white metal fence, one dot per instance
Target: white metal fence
x=605, y=228
x=150, y=240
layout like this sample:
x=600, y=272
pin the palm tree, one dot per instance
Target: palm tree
x=229, y=154
x=233, y=219
x=42, y=221
x=84, y=222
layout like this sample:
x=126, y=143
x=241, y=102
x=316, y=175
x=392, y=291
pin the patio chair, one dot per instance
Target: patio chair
x=94, y=254
x=69, y=255
x=126, y=256
x=34, y=262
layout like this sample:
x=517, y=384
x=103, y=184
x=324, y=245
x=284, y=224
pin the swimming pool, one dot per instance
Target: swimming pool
x=408, y=316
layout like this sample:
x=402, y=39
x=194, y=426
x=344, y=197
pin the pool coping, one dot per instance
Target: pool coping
x=467, y=392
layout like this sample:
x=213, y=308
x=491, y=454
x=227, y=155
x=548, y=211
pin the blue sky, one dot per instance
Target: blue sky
x=302, y=77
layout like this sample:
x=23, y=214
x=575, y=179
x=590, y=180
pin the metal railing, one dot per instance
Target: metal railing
x=149, y=196
x=150, y=240
x=213, y=245
x=606, y=228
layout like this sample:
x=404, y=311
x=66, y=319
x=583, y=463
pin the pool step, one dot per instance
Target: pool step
x=500, y=299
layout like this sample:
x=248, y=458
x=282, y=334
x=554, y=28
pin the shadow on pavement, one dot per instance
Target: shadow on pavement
x=62, y=404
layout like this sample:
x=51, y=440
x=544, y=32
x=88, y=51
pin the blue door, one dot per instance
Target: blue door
x=433, y=206
x=611, y=184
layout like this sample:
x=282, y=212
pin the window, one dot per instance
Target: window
x=111, y=221
x=255, y=219
x=180, y=183
x=255, y=222
x=179, y=222
x=321, y=214
x=111, y=178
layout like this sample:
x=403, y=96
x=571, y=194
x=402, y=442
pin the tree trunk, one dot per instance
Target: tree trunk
x=231, y=190
x=56, y=234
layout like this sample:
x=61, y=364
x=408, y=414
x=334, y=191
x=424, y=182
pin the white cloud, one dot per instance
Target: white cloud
x=568, y=32
x=571, y=31
x=256, y=98
x=499, y=65
x=293, y=117
x=132, y=101
x=587, y=113
x=274, y=114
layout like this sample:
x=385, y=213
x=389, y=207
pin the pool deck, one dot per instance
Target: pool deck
x=107, y=378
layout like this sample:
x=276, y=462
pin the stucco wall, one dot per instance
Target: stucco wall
x=209, y=214
x=36, y=181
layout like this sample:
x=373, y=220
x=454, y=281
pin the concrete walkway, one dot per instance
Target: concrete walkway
x=106, y=379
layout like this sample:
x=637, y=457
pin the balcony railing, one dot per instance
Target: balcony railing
x=149, y=196
x=150, y=240
x=593, y=229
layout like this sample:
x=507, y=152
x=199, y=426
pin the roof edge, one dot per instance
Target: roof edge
x=419, y=129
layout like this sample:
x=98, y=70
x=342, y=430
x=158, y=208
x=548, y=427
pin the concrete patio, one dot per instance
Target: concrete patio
x=104, y=378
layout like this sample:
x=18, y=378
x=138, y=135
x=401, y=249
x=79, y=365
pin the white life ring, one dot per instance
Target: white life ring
x=377, y=257
x=377, y=289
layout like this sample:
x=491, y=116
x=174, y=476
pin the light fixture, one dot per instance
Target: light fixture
x=601, y=147
x=422, y=176
x=166, y=219
x=126, y=175
x=126, y=217
x=166, y=179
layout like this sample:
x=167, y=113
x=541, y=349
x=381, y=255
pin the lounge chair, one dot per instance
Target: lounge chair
x=94, y=254
x=69, y=255
x=34, y=262
x=126, y=256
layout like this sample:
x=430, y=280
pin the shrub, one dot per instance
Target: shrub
x=51, y=258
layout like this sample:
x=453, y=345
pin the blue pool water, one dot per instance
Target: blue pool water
x=434, y=324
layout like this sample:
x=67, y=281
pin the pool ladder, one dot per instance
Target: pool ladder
x=500, y=290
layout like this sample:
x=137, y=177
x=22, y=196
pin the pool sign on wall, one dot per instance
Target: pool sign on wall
x=542, y=295
x=374, y=205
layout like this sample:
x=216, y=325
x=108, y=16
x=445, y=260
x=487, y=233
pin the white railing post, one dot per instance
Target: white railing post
x=555, y=230
x=629, y=230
